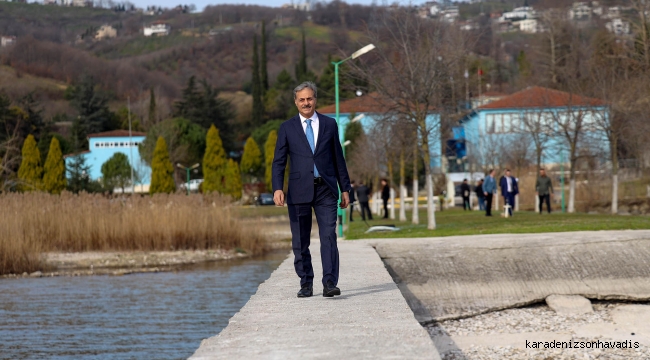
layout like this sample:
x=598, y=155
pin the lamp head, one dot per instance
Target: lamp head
x=358, y=117
x=362, y=51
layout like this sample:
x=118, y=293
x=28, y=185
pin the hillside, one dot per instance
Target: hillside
x=57, y=43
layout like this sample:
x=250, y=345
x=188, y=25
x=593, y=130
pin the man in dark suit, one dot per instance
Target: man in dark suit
x=362, y=195
x=317, y=172
x=509, y=189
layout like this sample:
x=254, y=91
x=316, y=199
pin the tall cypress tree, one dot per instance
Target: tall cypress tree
x=30, y=171
x=251, y=160
x=233, y=180
x=301, y=67
x=153, y=116
x=54, y=180
x=214, y=162
x=258, y=105
x=263, y=68
x=269, y=149
x=162, y=171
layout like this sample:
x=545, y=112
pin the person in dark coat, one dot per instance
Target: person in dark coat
x=509, y=189
x=353, y=198
x=362, y=193
x=465, y=191
x=480, y=195
x=385, y=195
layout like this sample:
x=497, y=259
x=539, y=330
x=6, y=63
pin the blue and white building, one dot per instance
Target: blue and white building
x=102, y=146
x=490, y=129
x=374, y=109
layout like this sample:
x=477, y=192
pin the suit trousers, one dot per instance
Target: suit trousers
x=488, y=204
x=365, y=209
x=325, y=204
x=466, y=205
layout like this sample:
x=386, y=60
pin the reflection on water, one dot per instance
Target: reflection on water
x=142, y=316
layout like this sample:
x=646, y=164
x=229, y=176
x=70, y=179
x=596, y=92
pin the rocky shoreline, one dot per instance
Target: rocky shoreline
x=118, y=263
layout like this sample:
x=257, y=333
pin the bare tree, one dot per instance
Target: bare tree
x=409, y=71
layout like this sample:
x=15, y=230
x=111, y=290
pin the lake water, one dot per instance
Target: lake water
x=140, y=316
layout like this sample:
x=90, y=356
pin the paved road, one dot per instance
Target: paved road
x=455, y=277
x=370, y=320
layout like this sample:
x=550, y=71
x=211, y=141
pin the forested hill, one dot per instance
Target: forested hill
x=57, y=43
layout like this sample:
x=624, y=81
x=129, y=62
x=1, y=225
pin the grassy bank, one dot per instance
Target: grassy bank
x=458, y=222
x=34, y=223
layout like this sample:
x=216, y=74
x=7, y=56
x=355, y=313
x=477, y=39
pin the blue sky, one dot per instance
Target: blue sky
x=200, y=4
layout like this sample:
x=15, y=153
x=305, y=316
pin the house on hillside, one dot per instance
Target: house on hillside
x=376, y=108
x=157, y=28
x=102, y=146
x=105, y=32
x=7, y=40
x=501, y=125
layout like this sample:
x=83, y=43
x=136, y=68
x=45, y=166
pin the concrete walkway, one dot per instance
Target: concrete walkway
x=370, y=319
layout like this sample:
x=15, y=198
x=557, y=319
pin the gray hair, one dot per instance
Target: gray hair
x=303, y=86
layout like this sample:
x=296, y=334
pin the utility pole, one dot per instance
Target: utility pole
x=128, y=99
x=467, y=103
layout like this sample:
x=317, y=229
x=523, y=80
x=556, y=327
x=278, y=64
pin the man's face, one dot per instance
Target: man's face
x=508, y=173
x=306, y=102
x=542, y=173
x=492, y=173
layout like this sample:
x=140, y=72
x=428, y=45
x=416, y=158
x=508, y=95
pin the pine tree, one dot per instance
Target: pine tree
x=214, y=163
x=251, y=160
x=162, y=171
x=116, y=172
x=258, y=105
x=54, y=180
x=233, y=180
x=30, y=172
x=153, y=116
x=79, y=180
x=269, y=149
x=263, y=67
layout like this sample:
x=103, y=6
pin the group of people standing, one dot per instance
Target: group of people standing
x=362, y=193
x=487, y=189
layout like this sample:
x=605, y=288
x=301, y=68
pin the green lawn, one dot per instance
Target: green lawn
x=457, y=222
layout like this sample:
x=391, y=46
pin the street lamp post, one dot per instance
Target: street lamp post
x=188, y=174
x=354, y=55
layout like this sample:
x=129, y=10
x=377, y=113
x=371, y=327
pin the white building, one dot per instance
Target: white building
x=302, y=5
x=520, y=13
x=530, y=26
x=580, y=11
x=157, y=29
x=618, y=27
x=450, y=14
x=7, y=40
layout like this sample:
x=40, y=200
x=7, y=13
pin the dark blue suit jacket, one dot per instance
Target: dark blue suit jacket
x=328, y=157
x=504, y=186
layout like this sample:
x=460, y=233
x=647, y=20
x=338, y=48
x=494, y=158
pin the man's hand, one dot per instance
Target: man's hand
x=278, y=198
x=485, y=192
x=537, y=193
x=345, y=199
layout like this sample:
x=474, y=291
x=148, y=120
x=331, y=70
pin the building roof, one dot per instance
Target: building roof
x=116, y=133
x=77, y=153
x=537, y=97
x=370, y=103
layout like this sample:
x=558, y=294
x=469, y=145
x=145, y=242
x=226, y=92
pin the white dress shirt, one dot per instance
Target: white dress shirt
x=509, y=181
x=314, y=126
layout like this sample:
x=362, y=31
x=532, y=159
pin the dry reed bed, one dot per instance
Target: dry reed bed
x=33, y=223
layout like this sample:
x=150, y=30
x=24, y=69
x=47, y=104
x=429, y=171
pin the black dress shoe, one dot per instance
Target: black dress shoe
x=306, y=291
x=330, y=290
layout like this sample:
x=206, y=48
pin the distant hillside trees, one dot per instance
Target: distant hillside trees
x=184, y=139
x=256, y=89
x=92, y=108
x=204, y=108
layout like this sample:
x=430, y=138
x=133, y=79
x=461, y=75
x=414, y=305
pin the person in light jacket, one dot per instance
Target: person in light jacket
x=489, y=189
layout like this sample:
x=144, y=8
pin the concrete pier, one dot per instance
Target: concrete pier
x=371, y=318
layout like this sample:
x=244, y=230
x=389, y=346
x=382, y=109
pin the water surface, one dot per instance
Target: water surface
x=140, y=316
